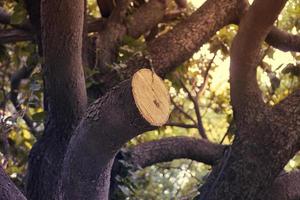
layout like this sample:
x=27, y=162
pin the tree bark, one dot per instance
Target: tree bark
x=8, y=190
x=65, y=93
x=265, y=141
x=176, y=46
x=168, y=149
x=131, y=108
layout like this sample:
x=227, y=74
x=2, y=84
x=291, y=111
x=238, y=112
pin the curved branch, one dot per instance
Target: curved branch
x=277, y=38
x=244, y=88
x=173, y=48
x=244, y=172
x=176, y=46
x=168, y=149
x=117, y=26
x=131, y=108
x=285, y=187
x=283, y=40
x=8, y=189
x=64, y=92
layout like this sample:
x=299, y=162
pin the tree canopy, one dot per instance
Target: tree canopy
x=72, y=121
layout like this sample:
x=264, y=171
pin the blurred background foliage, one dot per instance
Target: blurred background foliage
x=205, y=77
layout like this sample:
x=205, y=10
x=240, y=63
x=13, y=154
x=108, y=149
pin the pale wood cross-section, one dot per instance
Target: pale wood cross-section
x=151, y=97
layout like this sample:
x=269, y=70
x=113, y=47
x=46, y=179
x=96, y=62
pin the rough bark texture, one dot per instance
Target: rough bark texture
x=91, y=151
x=285, y=187
x=168, y=149
x=283, y=40
x=117, y=26
x=8, y=190
x=145, y=18
x=106, y=7
x=266, y=138
x=65, y=94
x=129, y=109
x=173, y=48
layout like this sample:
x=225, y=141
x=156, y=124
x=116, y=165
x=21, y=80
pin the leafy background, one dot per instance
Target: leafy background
x=278, y=76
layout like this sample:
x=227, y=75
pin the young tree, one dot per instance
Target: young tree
x=74, y=157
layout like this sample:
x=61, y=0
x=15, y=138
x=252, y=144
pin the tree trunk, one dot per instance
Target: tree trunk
x=8, y=190
x=131, y=108
x=65, y=93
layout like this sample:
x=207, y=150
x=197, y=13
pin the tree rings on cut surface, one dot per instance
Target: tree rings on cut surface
x=151, y=97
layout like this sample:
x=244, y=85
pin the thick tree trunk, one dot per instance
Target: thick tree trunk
x=8, y=190
x=131, y=108
x=265, y=141
x=65, y=94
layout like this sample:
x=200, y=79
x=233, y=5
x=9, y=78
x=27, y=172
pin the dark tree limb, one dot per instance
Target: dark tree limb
x=283, y=40
x=14, y=35
x=173, y=48
x=168, y=149
x=117, y=26
x=145, y=18
x=109, y=38
x=65, y=93
x=285, y=187
x=176, y=46
x=264, y=142
x=277, y=38
x=109, y=123
x=106, y=7
x=8, y=190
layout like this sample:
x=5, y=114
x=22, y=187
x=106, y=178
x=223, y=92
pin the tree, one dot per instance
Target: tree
x=86, y=126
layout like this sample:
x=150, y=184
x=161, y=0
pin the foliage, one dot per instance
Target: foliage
x=174, y=180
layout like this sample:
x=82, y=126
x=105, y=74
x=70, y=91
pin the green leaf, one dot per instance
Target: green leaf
x=19, y=14
x=39, y=117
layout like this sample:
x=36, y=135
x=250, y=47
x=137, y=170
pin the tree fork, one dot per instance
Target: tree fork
x=133, y=107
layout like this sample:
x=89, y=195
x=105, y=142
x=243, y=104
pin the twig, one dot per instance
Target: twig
x=197, y=111
x=182, y=111
x=205, y=78
x=182, y=125
x=23, y=73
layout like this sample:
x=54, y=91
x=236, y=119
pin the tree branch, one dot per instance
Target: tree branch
x=180, y=109
x=8, y=189
x=117, y=26
x=64, y=92
x=181, y=125
x=168, y=149
x=14, y=35
x=285, y=187
x=197, y=110
x=283, y=40
x=106, y=7
x=133, y=107
x=173, y=48
x=260, y=131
